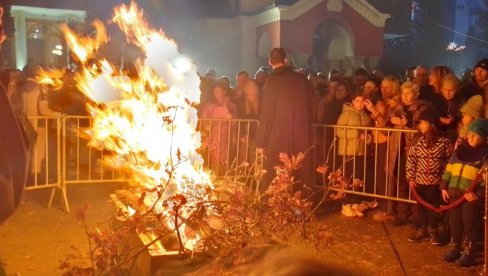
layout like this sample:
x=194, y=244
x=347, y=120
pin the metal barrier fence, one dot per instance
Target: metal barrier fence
x=227, y=142
x=80, y=162
x=45, y=168
x=227, y=145
x=376, y=156
x=62, y=154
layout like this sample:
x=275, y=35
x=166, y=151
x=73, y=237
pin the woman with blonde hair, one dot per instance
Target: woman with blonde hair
x=448, y=105
x=403, y=116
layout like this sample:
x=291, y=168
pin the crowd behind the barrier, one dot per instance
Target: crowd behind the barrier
x=439, y=162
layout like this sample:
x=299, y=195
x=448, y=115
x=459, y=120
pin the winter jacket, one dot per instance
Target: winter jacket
x=349, y=142
x=426, y=163
x=396, y=141
x=36, y=102
x=449, y=108
x=380, y=136
x=470, y=90
x=463, y=167
x=219, y=132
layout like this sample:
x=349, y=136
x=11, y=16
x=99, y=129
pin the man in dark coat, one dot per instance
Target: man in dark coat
x=478, y=82
x=14, y=157
x=14, y=152
x=285, y=120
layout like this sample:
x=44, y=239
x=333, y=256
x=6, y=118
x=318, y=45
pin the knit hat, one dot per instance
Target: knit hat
x=430, y=115
x=482, y=64
x=480, y=127
x=473, y=107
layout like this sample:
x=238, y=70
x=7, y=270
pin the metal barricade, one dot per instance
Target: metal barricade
x=45, y=163
x=45, y=166
x=228, y=147
x=82, y=163
x=375, y=156
x=63, y=156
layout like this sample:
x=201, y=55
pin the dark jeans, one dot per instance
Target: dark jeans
x=423, y=216
x=463, y=219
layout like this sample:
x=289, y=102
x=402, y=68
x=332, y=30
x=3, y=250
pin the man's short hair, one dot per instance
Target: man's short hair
x=242, y=73
x=361, y=71
x=277, y=55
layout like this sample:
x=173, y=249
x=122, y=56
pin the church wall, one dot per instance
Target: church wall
x=296, y=35
x=368, y=39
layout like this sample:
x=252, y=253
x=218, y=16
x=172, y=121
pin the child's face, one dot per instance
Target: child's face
x=467, y=119
x=448, y=90
x=358, y=103
x=219, y=94
x=474, y=139
x=424, y=126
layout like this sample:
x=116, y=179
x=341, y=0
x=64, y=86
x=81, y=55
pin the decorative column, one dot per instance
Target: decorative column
x=20, y=39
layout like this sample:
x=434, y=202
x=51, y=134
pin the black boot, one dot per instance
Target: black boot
x=468, y=257
x=454, y=252
x=418, y=235
x=434, y=236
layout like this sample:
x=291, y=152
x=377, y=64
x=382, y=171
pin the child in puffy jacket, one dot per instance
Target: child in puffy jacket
x=460, y=175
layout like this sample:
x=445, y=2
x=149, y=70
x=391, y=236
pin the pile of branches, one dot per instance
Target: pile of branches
x=231, y=227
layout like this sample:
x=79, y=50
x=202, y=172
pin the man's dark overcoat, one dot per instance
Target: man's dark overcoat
x=285, y=122
x=15, y=155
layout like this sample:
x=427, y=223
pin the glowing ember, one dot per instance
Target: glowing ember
x=131, y=211
x=148, y=122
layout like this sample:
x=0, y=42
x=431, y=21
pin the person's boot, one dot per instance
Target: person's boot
x=454, y=252
x=434, y=236
x=418, y=235
x=468, y=257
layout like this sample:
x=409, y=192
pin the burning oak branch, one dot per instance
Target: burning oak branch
x=148, y=121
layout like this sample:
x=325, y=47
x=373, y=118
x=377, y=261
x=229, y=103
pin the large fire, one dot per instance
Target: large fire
x=148, y=121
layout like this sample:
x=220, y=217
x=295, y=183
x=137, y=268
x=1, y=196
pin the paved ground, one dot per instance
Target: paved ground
x=35, y=239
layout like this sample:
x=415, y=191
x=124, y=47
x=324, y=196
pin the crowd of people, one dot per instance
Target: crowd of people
x=441, y=161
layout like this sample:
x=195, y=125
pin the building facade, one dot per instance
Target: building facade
x=319, y=34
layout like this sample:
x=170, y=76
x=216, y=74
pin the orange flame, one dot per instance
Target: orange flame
x=149, y=121
x=50, y=77
x=85, y=47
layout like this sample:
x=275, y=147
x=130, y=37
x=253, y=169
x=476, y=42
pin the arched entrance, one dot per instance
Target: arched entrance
x=332, y=47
